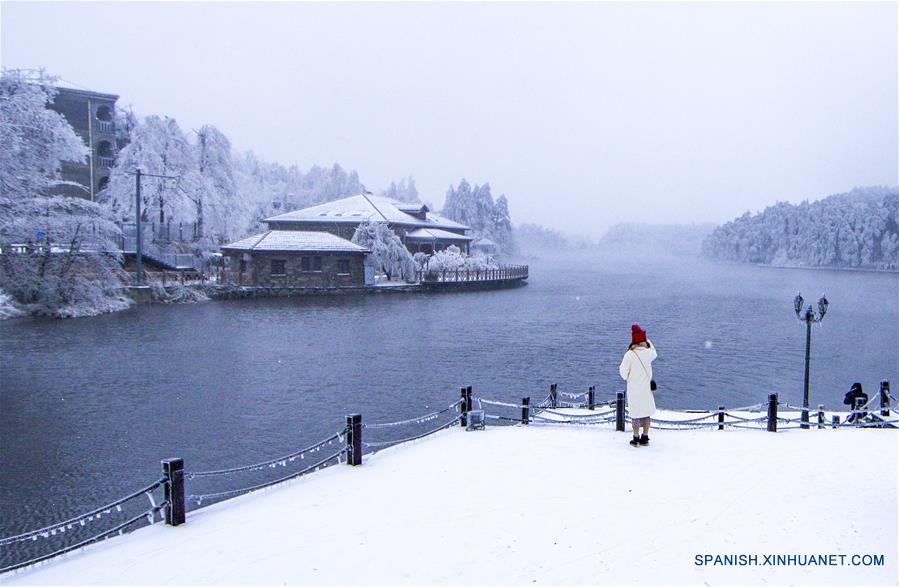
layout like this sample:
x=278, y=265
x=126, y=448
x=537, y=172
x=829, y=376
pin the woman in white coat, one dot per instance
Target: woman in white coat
x=636, y=369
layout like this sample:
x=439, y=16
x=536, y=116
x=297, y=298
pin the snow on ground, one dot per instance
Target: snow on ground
x=536, y=505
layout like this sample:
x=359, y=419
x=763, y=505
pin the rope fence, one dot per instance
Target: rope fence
x=550, y=411
x=547, y=412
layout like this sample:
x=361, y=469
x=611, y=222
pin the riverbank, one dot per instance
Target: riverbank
x=894, y=271
x=537, y=505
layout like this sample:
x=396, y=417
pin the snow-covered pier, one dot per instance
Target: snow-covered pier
x=516, y=505
x=563, y=499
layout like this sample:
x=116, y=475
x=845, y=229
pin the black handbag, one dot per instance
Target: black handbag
x=652, y=385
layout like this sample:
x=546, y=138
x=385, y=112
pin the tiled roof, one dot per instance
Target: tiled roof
x=365, y=207
x=431, y=234
x=295, y=240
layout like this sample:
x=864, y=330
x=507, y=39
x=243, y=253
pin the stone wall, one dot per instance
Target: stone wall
x=257, y=271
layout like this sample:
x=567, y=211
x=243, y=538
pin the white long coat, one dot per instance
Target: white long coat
x=640, y=400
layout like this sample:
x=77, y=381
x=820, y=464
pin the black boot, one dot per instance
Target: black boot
x=644, y=440
x=635, y=441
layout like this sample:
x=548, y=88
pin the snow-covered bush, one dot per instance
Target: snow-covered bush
x=73, y=270
x=8, y=307
x=177, y=294
x=452, y=259
x=388, y=252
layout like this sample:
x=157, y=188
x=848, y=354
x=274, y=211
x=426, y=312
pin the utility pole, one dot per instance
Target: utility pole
x=137, y=173
x=138, y=245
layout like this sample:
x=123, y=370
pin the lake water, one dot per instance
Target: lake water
x=90, y=406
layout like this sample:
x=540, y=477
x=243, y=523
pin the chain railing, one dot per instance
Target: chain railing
x=350, y=448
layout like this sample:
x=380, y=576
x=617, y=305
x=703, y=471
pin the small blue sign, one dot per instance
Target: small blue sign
x=40, y=235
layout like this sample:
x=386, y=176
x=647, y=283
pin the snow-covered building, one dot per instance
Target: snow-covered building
x=92, y=116
x=295, y=258
x=420, y=229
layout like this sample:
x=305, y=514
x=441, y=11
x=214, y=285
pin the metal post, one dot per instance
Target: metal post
x=468, y=405
x=138, y=239
x=463, y=407
x=820, y=416
x=173, y=488
x=553, y=397
x=90, y=143
x=354, y=439
x=808, y=355
x=885, y=398
x=525, y=410
x=720, y=417
x=619, y=412
x=591, y=397
x=772, y=412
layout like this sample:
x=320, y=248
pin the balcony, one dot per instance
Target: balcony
x=105, y=127
x=105, y=162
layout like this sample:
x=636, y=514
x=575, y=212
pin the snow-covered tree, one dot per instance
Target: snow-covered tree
x=402, y=191
x=125, y=123
x=855, y=229
x=502, y=224
x=159, y=147
x=59, y=253
x=475, y=208
x=226, y=215
x=387, y=250
x=34, y=140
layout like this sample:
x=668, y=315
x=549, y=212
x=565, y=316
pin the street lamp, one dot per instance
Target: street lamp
x=809, y=317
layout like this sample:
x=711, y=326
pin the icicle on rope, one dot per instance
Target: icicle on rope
x=505, y=404
x=272, y=463
x=82, y=543
x=81, y=520
x=573, y=395
x=311, y=468
x=418, y=420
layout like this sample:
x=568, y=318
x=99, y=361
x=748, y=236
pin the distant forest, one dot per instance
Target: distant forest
x=856, y=229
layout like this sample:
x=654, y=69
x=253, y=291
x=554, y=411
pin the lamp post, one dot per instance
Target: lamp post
x=809, y=317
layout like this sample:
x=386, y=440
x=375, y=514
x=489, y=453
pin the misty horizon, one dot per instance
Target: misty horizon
x=584, y=115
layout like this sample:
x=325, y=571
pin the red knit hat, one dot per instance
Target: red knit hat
x=637, y=334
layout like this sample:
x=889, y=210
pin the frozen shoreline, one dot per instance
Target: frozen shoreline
x=537, y=504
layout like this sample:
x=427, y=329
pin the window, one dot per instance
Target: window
x=104, y=113
x=243, y=265
x=343, y=266
x=316, y=263
x=306, y=264
x=279, y=267
x=104, y=149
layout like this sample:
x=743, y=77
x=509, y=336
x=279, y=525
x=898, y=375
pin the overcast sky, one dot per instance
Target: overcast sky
x=583, y=114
